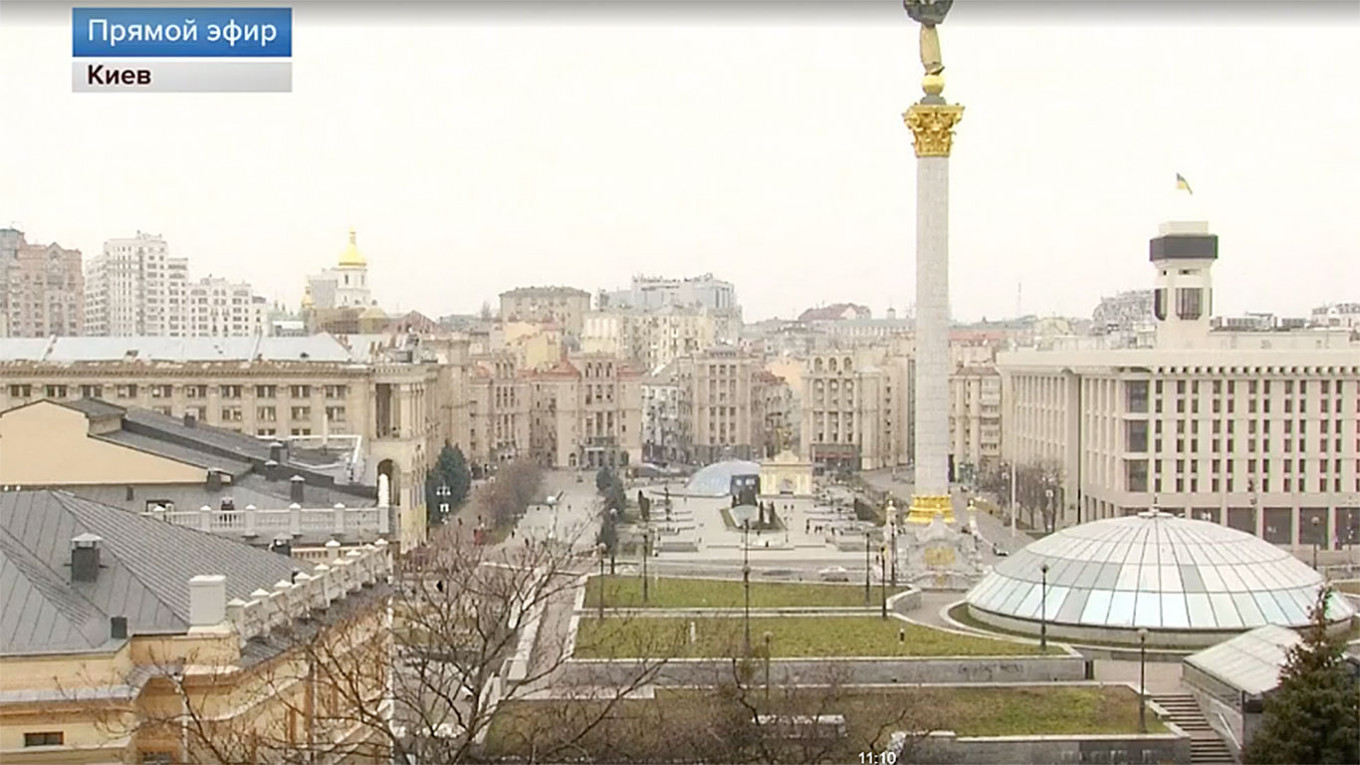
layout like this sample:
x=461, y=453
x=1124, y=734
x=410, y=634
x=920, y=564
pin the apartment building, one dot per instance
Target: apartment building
x=591, y=409
x=1261, y=437
x=42, y=288
x=721, y=401
x=650, y=339
x=564, y=306
x=499, y=405
x=135, y=288
x=975, y=418
x=700, y=295
x=664, y=437
x=215, y=307
x=854, y=409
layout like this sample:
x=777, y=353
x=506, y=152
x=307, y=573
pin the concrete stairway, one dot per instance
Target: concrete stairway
x=1206, y=747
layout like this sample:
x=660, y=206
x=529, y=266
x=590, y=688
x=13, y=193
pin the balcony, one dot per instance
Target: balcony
x=365, y=523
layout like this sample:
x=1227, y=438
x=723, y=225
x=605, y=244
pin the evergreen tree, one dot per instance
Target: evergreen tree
x=604, y=479
x=1314, y=714
x=451, y=470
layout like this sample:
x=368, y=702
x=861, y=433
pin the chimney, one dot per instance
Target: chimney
x=283, y=545
x=85, y=558
x=276, y=452
x=271, y=470
x=189, y=420
x=214, y=479
x=295, y=490
x=207, y=600
x=118, y=628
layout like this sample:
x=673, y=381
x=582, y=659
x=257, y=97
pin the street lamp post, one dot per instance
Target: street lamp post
x=1043, y=608
x=867, y=567
x=601, y=549
x=1314, y=524
x=1142, y=680
x=746, y=616
x=646, y=552
x=1048, y=511
x=614, y=520
x=893, y=521
x=883, y=581
x=769, y=636
x=1012, y=487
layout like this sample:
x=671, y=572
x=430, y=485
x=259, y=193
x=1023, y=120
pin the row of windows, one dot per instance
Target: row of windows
x=167, y=391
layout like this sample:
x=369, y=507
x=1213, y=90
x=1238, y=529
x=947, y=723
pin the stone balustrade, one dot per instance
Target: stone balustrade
x=293, y=520
x=346, y=573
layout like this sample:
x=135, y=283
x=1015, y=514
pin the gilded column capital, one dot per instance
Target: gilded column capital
x=932, y=126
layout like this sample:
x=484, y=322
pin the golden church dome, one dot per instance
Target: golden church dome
x=351, y=257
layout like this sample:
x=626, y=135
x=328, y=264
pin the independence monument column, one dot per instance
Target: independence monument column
x=932, y=122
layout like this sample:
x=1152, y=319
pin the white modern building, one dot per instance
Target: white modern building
x=216, y=307
x=1257, y=431
x=135, y=287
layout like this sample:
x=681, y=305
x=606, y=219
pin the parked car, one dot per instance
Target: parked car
x=834, y=574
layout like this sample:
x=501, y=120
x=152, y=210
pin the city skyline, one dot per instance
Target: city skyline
x=773, y=156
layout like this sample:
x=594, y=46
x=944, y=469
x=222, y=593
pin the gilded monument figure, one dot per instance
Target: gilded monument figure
x=929, y=14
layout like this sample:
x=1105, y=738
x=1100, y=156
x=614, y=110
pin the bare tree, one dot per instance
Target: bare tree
x=416, y=674
x=506, y=496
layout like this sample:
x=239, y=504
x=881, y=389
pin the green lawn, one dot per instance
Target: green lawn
x=626, y=591
x=810, y=636
x=708, y=726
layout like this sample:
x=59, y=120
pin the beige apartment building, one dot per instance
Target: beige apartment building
x=499, y=405
x=590, y=407
x=854, y=409
x=975, y=419
x=392, y=401
x=1252, y=435
x=42, y=288
x=564, y=306
x=653, y=338
x=722, y=403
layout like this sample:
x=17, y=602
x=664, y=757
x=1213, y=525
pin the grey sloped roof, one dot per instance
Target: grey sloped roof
x=322, y=347
x=145, y=568
x=1250, y=662
x=160, y=425
x=174, y=451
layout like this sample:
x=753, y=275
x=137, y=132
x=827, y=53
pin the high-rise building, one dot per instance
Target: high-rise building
x=42, y=289
x=135, y=287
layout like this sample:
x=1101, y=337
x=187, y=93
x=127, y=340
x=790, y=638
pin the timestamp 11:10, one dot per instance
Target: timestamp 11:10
x=887, y=757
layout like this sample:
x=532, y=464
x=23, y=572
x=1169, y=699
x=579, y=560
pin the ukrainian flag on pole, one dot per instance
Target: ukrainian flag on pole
x=1183, y=185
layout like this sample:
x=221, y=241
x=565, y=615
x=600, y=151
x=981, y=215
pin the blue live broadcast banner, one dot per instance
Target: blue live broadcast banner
x=182, y=32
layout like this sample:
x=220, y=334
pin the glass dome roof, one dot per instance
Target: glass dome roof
x=1158, y=571
x=716, y=480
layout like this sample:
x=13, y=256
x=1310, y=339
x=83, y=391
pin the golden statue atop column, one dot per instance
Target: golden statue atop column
x=932, y=120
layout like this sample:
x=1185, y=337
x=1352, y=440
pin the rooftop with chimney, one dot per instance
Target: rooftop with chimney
x=70, y=567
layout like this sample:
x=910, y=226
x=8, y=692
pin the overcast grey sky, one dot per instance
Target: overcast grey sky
x=476, y=153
